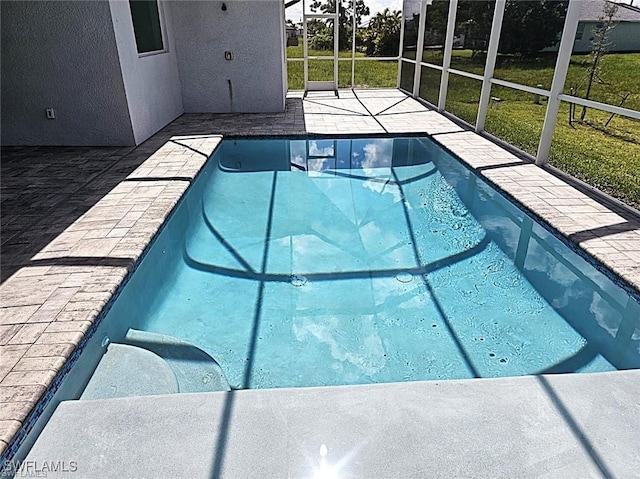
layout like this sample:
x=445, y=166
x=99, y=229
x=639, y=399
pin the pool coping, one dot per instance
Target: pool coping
x=48, y=309
x=559, y=426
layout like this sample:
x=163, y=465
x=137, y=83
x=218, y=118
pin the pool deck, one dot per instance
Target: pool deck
x=560, y=426
x=76, y=220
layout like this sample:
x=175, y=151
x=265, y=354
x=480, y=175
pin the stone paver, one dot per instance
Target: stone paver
x=43, y=189
x=326, y=113
x=76, y=220
x=607, y=233
x=56, y=289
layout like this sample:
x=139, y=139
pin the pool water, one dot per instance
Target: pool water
x=351, y=261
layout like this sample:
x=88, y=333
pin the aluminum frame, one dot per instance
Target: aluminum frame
x=490, y=63
x=446, y=60
x=312, y=85
x=559, y=78
x=417, y=72
x=554, y=95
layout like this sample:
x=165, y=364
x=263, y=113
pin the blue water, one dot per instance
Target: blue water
x=322, y=262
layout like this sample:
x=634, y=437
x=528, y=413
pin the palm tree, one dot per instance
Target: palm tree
x=382, y=37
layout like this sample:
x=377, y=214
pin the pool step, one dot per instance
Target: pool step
x=195, y=370
x=129, y=371
x=148, y=364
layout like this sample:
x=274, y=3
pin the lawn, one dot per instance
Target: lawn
x=368, y=73
x=605, y=157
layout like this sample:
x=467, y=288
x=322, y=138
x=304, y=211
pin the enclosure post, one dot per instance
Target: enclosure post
x=490, y=65
x=400, y=46
x=305, y=51
x=353, y=47
x=419, y=48
x=446, y=60
x=559, y=77
x=336, y=44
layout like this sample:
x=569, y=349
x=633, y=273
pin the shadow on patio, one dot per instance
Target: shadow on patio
x=46, y=189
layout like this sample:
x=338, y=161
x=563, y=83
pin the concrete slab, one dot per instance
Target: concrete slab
x=565, y=426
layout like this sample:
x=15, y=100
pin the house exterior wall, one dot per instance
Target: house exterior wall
x=151, y=82
x=624, y=37
x=253, y=30
x=61, y=55
x=80, y=58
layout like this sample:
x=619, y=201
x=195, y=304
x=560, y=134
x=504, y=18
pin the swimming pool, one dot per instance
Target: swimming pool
x=313, y=262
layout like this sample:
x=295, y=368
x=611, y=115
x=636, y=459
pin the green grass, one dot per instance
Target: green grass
x=607, y=158
x=368, y=74
x=617, y=73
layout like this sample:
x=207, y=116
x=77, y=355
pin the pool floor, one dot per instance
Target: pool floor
x=375, y=272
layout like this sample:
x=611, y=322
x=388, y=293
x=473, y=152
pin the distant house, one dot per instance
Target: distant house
x=624, y=37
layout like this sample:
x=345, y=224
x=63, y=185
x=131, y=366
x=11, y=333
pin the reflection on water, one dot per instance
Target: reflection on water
x=369, y=157
x=337, y=261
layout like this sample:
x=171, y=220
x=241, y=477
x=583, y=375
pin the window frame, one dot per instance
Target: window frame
x=163, y=31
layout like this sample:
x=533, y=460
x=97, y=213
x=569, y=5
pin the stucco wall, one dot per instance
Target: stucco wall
x=151, y=82
x=253, y=31
x=61, y=55
x=624, y=37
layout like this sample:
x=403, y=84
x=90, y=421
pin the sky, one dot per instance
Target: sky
x=295, y=12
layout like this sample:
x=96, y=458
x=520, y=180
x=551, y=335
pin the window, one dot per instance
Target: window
x=146, y=25
x=580, y=31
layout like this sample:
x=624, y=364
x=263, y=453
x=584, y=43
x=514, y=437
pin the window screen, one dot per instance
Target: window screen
x=146, y=25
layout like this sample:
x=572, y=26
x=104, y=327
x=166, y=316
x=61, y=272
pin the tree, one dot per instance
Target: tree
x=527, y=28
x=601, y=46
x=345, y=19
x=435, y=28
x=475, y=22
x=411, y=31
x=381, y=38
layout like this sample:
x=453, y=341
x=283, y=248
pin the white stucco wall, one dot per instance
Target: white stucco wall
x=253, y=31
x=624, y=37
x=61, y=55
x=151, y=82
